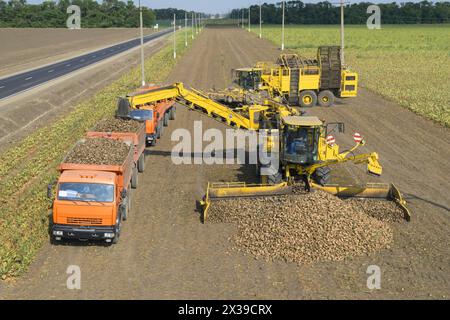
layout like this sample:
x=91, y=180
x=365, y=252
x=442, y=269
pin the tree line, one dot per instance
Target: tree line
x=298, y=12
x=53, y=14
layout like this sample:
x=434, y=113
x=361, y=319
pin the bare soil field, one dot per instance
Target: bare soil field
x=28, y=48
x=166, y=253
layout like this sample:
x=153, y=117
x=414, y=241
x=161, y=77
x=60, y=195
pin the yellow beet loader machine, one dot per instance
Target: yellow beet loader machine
x=294, y=80
x=299, y=148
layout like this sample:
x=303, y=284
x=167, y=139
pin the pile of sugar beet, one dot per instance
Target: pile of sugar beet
x=101, y=150
x=307, y=227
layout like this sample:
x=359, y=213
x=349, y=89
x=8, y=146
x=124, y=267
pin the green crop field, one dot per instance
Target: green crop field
x=406, y=64
x=27, y=168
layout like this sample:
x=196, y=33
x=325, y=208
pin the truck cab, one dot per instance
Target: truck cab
x=86, y=206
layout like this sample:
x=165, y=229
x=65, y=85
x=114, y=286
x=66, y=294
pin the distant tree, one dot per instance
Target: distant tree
x=298, y=12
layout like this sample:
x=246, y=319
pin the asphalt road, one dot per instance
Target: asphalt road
x=20, y=82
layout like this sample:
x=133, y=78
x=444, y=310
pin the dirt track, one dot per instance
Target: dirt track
x=165, y=252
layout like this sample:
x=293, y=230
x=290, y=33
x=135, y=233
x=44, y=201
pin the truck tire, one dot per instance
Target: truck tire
x=326, y=98
x=128, y=204
x=322, y=175
x=117, y=228
x=166, y=119
x=124, y=210
x=141, y=163
x=134, y=178
x=158, y=131
x=172, y=113
x=308, y=99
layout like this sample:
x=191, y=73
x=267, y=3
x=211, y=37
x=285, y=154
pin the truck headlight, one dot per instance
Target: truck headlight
x=109, y=235
x=57, y=233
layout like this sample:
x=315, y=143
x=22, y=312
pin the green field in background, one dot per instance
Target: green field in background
x=406, y=64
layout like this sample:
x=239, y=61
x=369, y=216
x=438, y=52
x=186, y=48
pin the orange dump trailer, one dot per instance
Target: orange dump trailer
x=138, y=139
x=92, y=199
x=156, y=116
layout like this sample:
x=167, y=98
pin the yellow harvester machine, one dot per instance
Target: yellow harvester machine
x=301, y=143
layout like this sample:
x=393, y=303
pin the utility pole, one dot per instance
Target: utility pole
x=196, y=23
x=260, y=19
x=185, y=30
x=142, y=44
x=242, y=13
x=174, y=36
x=249, y=19
x=282, y=29
x=192, y=31
x=342, y=33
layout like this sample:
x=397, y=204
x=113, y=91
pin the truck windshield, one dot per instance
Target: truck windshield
x=141, y=115
x=86, y=192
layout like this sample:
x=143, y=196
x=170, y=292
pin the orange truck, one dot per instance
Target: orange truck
x=156, y=116
x=92, y=200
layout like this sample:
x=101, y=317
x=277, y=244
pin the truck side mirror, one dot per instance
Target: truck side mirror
x=50, y=191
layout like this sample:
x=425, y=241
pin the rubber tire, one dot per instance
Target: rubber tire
x=313, y=97
x=117, y=230
x=128, y=205
x=159, y=130
x=328, y=95
x=141, y=163
x=134, y=178
x=172, y=113
x=166, y=119
x=124, y=212
x=322, y=175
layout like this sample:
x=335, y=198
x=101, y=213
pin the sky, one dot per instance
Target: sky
x=219, y=6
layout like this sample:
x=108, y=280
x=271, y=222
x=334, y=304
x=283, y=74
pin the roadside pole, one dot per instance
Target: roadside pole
x=196, y=23
x=249, y=18
x=282, y=29
x=174, y=36
x=142, y=45
x=185, y=30
x=192, y=31
x=260, y=19
x=342, y=33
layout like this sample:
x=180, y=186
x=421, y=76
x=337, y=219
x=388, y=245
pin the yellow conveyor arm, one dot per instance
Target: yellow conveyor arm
x=194, y=100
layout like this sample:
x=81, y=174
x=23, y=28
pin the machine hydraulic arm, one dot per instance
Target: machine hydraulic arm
x=196, y=100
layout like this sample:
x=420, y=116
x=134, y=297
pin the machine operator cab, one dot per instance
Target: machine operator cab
x=249, y=78
x=300, y=141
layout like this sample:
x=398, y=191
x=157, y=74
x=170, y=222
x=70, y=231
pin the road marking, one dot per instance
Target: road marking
x=50, y=71
x=28, y=78
x=68, y=65
x=93, y=56
x=82, y=60
x=2, y=87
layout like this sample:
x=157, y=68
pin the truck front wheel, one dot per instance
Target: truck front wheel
x=172, y=113
x=134, y=178
x=117, y=228
x=141, y=163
